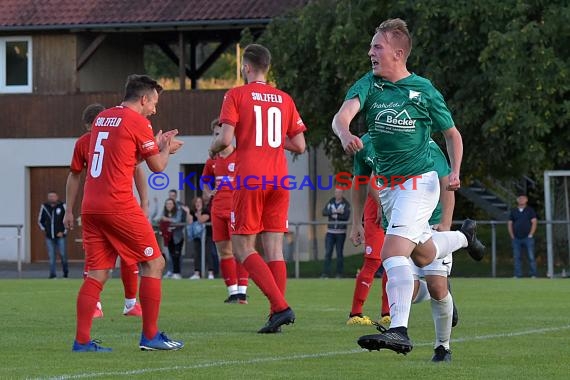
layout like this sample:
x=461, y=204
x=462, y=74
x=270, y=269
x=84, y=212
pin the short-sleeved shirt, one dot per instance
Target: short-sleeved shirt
x=400, y=117
x=219, y=172
x=262, y=117
x=119, y=137
x=80, y=154
x=522, y=221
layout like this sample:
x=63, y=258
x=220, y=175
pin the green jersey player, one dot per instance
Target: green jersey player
x=401, y=110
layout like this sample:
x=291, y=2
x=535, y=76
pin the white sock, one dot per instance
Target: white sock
x=442, y=312
x=99, y=306
x=130, y=302
x=423, y=292
x=448, y=242
x=232, y=289
x=242, y=289
x=400, y=289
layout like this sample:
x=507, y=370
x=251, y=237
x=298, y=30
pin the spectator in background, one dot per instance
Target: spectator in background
x=522, y=226
x=173, y=234
x=338, y=210
x=50, y=221
x=198, y=216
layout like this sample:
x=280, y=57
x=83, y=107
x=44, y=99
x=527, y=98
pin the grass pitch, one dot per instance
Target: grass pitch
x=508, y=329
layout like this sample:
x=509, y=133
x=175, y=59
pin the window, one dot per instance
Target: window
x=15, y=64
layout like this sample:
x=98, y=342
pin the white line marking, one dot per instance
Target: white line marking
x=292, y=357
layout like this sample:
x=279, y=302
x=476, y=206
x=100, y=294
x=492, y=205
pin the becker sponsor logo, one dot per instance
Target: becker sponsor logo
x=394, y=120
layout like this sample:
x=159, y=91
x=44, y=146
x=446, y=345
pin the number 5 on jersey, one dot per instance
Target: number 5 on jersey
x=273, y=126
x=98, y=155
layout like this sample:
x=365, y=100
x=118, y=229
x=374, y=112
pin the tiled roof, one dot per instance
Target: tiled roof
x=70, y=14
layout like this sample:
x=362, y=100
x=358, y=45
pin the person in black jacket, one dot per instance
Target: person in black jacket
x=338, y=210
x=50, y=221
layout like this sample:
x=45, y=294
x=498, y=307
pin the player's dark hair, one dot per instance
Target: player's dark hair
x=168, y=213
x=90, y=112
x=140, y=85
x=257, y=56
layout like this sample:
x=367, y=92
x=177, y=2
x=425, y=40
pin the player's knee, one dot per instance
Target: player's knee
x=153, y=267
x=437, y=290
x=100, y=275
x=422, y=260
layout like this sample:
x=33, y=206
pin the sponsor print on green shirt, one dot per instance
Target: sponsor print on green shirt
x=400, y=117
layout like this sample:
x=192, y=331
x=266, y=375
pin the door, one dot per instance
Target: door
x=43, y=180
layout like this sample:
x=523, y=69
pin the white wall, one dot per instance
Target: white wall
x=16, y=155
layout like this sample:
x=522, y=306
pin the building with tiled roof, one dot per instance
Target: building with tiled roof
x=61, y=55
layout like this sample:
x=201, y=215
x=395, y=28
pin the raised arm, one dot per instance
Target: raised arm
x=341, y=125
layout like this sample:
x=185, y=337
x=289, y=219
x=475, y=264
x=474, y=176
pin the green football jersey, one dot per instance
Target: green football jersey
x=400, y=118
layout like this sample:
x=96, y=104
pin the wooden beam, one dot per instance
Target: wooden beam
x=173, y=57
x=181, y=61
x=193, y=77
x=91, y=49
x=213, y=57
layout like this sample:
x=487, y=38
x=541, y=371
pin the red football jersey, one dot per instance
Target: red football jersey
x=119, y=135
x=80, y=153
x=370, y=209
x=221, y=172
x=262, y=117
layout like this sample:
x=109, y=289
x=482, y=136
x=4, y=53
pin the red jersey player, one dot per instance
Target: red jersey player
x=129, y=273
x=374, y=239
x=113, y=222
x=264, y=121
x=219, y=173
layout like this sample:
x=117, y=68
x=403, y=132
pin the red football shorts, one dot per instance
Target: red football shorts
x=374, y=236
x=107, y=235
x=260, y=210
x=221, y=229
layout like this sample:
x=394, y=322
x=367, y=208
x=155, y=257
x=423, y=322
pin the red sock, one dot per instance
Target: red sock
x=385, y=305
x=261, y=275
x=242, y=275
x=130, y=277
x=229, y=271
x=279, y=271
x=149, y=295
x=364, y=281
x=87, y=298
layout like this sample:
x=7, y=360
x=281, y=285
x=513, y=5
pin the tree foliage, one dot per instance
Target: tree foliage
x=502, y=67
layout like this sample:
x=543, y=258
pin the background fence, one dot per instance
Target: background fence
x=494, y=234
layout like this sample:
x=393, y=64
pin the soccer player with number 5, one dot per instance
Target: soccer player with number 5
x=264, y=122
x=113, y=221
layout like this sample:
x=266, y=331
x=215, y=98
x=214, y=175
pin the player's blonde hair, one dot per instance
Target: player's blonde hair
x=396, y=31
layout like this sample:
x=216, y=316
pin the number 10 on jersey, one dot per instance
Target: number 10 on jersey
x=273, y=127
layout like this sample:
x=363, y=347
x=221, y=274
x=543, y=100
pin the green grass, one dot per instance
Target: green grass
x=508, y=329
